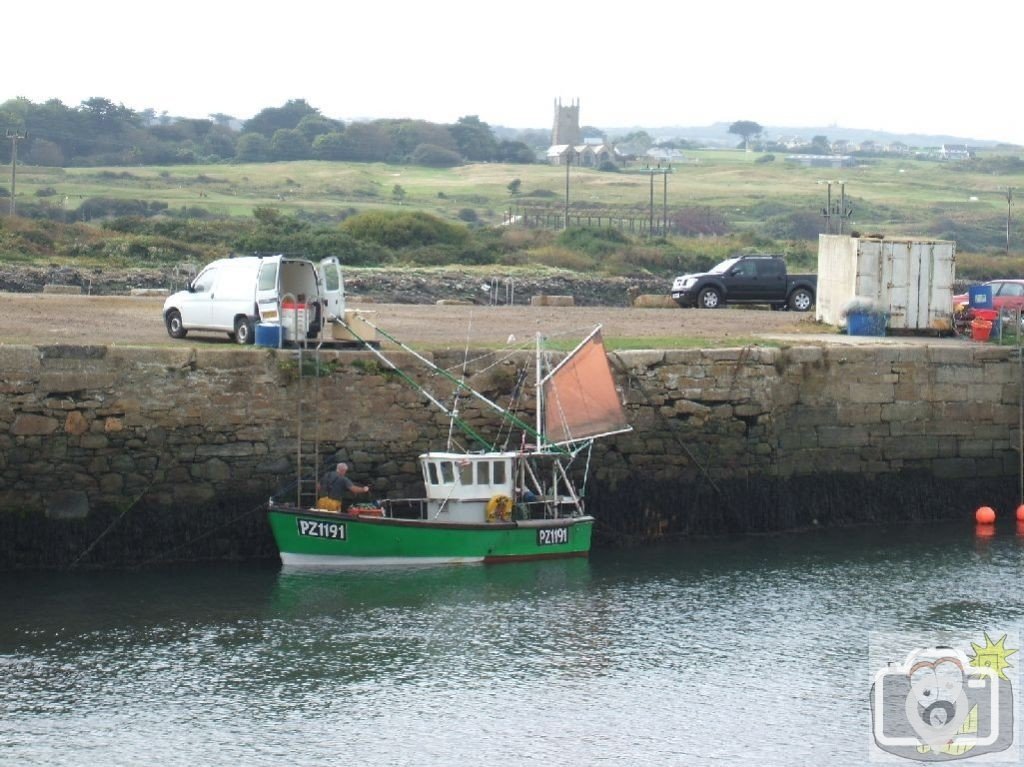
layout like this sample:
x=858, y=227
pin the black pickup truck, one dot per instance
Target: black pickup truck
x=747, y=280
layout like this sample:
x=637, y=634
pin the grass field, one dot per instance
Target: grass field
x=773, y=204
x=900, y=195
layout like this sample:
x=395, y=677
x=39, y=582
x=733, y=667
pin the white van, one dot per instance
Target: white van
x=231, y=295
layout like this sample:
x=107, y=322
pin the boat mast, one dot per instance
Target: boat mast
x=539, y=394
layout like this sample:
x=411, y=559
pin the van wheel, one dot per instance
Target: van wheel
x=243, y=331
x=174, y=327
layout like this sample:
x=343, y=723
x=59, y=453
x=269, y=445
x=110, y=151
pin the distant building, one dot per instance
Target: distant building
x=955, y=152
x=821, y=160
x=661, y=154
x=584, y=155
x=568, y=144
x=566, y=129
x=792, y=142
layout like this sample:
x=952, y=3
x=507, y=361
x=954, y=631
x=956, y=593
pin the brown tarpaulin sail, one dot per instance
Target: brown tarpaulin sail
x=580, y=399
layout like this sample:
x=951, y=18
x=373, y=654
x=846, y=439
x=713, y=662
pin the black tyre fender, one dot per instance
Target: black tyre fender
x=709, y=298
x=801, y=300
x=244, y=333
x=173, y=322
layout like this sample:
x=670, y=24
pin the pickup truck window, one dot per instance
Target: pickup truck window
x=723, y=267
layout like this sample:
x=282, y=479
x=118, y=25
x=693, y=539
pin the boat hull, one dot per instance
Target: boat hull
x=311, y=538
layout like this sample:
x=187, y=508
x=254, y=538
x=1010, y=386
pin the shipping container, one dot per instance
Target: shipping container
x=910, y=280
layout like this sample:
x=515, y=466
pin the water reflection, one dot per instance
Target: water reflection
x=726, y=649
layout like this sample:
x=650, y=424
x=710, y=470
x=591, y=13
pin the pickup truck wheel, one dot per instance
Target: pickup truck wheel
x=174, y=327
x=800, y=300
x=709, y=299
x=243, y=331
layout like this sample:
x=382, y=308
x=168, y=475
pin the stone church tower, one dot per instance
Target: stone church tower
x=567, y=124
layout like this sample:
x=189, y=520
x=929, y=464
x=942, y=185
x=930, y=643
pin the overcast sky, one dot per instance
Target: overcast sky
x=902, y=66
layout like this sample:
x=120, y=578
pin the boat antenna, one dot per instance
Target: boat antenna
x=461, y=385
x=514, y=402
x=540, y=389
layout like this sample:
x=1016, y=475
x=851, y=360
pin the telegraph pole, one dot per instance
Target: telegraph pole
x=839, y=209
x=827, y=210
x=650, y=224
x=1009, y=202
x=568, y=161
x=15, y=137
x=664, y=202
x=664, y=198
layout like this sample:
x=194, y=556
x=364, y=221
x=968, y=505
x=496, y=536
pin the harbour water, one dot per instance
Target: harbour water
x=746, y=651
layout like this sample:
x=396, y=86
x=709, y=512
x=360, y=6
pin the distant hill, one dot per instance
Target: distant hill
x=717, y=134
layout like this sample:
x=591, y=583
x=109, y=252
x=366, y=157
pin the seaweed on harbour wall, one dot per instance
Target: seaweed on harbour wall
x=652, y=511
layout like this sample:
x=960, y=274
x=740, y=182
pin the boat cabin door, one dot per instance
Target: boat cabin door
x=332, y=289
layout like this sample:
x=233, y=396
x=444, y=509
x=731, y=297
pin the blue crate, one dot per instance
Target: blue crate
x=269, y=335
x=980, y=296
x=866, y=323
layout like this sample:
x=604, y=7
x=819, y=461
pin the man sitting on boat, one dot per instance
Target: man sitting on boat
x=333, y=486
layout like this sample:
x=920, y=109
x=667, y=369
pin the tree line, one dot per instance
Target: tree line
x=100, y=132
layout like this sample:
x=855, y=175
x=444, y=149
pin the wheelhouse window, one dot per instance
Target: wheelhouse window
x=468, y=472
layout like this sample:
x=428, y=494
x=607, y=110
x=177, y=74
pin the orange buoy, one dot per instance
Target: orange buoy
x=1020, y=513
x=985, y=515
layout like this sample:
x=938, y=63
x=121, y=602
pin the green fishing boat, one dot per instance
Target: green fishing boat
x=478, y=506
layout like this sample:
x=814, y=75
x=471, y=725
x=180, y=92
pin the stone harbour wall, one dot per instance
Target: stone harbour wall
x=113, y=456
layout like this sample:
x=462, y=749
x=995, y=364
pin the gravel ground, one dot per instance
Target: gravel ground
x=43, y=318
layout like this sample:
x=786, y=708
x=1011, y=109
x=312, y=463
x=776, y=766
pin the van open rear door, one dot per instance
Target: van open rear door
x=332, y=289
x=268, y=293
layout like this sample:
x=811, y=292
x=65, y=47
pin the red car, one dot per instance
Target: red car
x=1006, y=294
